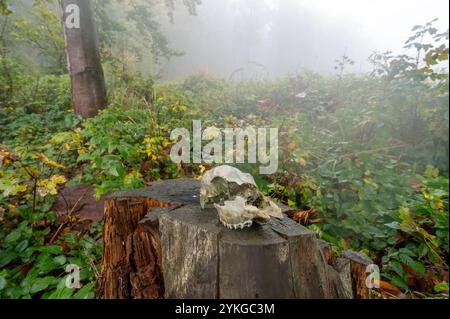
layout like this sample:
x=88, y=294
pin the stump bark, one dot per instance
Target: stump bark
x=159, y=243
x=358, y=263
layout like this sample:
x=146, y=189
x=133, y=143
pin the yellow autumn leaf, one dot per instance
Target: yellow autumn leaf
x=77, y=137
x=6, y=158
x=49, y=186
x=131, y=177
x=426, y=235
x=439, y=204
x=44, y=159
x=371, y=182
x=359, y=163
x=148, y=140
x=301, y=161
x=6, y=161
x=3, y=153
x=32, y=170
x=166, y=143
x=19, y=189
x=59, y=179
x=82, y=151
x=291, y=147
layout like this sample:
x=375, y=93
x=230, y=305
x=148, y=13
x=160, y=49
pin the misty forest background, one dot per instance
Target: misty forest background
x=363, y=156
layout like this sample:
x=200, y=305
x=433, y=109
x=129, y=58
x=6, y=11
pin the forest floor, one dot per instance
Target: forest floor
x=345, y=164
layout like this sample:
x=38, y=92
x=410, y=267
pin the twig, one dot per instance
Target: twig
x=76, y=204
x=57, y=232
x=35, y=180
x=68, y=217
x=91, y=264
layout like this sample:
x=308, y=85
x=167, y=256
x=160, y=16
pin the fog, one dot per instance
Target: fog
x=269, y=38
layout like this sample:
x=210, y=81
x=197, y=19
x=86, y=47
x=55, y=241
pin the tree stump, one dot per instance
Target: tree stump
x=159, y=243
x=358, y=262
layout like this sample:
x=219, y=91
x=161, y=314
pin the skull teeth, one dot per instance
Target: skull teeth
x=242, y=225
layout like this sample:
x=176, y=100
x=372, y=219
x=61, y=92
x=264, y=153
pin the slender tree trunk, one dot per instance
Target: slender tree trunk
x=85, y=69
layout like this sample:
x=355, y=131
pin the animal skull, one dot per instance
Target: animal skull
x=236, y=198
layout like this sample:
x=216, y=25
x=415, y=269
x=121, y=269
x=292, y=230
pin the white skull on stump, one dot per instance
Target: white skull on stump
x=236, y=198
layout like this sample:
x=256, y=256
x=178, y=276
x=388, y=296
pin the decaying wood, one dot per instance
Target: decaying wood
x=309, y=267
x=343, y=268
x=159, y=243
x=128, y=252
x=189, y=240
x=131, y=264
x=358, y=267
x=254, y=264
x=327, y=251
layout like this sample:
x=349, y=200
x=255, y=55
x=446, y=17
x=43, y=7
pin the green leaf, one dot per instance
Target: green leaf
x=2, y=282
x=61, y=260
x=418, y=267
x=4, y=8
x=41, y=284
x=407, y=251
x=6, y=256
x=87, y=292
x=61, y=293
x=13, y=236
x=45, y=263
x=70, y=238
x=28, y=280
x=422, y=250
x=399, y=282
x=14, y=292
x=433, y=258
x=22, y=246
x=54, y=250
x=441, y=287
x=393, y=225
x=398, y=268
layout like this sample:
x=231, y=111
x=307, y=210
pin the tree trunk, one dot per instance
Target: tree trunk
x=159, y=243
x=85, y=69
